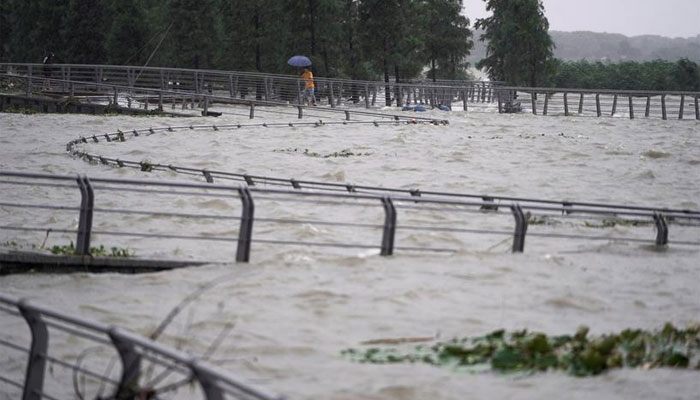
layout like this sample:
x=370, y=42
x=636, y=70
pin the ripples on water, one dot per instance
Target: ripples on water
x=295, y=308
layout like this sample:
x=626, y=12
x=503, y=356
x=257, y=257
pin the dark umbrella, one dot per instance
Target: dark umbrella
x=299, y=61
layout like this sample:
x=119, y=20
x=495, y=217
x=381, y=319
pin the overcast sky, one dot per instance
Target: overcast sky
x=673, y=18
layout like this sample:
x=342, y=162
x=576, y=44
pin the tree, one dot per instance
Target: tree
x=447, y=38
x=35, y=29
x=125, y=41
x=191, y=39
x=83, y=32
x=519, y=49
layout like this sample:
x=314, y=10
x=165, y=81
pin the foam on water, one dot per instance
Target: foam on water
x=295, y=308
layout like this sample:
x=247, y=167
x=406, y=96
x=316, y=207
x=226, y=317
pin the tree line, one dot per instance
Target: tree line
x=356, y=39
x=682, y=75
x=359, y=39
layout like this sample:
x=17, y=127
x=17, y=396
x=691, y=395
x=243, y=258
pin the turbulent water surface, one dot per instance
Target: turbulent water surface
x=293, y=309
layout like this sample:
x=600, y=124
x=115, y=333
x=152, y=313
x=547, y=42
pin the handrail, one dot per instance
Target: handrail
x=210, y=175
x=132, y=348
x=389, y=201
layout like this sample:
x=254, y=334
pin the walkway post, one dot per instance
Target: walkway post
x=387, y=248
x=36, y=363
x=681, y=107
x=663, y=107
x=245, y=232
x=631, y=107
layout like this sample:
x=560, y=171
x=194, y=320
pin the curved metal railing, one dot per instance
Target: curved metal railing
x=148, y=368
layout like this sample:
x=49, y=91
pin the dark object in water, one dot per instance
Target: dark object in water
x=510, y=107
x=210, y=114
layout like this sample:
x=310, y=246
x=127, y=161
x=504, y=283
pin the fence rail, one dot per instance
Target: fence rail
x=524, y=214
x=267, y=87
x=133, y=352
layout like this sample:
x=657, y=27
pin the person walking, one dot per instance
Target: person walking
x=48, y=61
x=309, y=88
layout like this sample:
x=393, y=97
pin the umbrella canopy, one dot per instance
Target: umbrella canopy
x=299, y=61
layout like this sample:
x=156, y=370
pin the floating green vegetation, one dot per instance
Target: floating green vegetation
x=306, y=152
x=101, y=251
x=578, y=355
x=611, y=223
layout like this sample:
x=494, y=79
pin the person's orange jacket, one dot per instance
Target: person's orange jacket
x=308, y=78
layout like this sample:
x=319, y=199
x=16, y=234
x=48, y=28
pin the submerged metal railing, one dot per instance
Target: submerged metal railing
x=597, y=103
x=419, y=210
x=175, y=368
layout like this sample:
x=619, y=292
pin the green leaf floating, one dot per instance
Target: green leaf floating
x=578, y=355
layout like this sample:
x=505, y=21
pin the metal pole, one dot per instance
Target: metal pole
x=252, y=110
x=614, y=106
x=131, y=365
x=631, y=108
x=520, y=229
x=87, y=202
x=697, y=108
x=566, y=104
x=208, y=383
x=245, y=232
x=580, y=104
x=534, y=102
x=546, y=103
x=36, y=362
x=387, y=248
x=681, y=107
x=661, y=229
x=648, y=107
x=663, y=107
x=597, y=104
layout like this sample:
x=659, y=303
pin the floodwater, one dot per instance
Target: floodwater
x=292, y=309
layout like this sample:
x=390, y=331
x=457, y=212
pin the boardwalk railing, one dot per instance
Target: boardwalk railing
x=598, y=103
x=258, y=86
x=388, y=216
x=50, y=329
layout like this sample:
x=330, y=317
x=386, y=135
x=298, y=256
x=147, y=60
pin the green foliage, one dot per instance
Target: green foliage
x=83, y=32
x=519, y=49
x=683, y=75
x=360, y=39
x=578, y=355
x=101, y=251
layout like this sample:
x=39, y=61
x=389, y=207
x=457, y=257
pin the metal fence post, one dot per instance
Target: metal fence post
x=87, y=202
x=566, y=104
x=597, y=105
x=131, y=365
x=681, y=107
x=520, y=228
x=661, y=229
x=631, y=107
x=389, y=227
x=580, y=104
x=36, y=363
x=252, y=110
x=663, y=107
x=208, y=383
x=534, y=102
x=245, y=232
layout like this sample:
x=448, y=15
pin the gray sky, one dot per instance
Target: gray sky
x=673, y=18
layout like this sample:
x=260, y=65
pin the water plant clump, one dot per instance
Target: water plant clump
x=100, y=251
x=578, y=354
